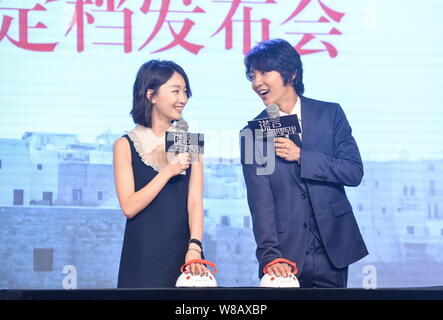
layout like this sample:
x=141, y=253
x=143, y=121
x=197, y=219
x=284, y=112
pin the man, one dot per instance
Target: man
x=299, y=208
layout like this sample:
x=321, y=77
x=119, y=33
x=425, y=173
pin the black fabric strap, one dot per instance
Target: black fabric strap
x=197, y=242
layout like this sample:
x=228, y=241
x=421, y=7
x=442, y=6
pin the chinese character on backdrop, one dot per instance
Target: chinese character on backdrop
x=240, y=12
x=88, y=11
x=161, y=25
x=326, y=19
x=178, y=37
x=18, y=19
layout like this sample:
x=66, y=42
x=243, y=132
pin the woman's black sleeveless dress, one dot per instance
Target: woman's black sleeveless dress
x=156, y=239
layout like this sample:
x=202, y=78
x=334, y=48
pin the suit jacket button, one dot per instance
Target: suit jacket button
x=305, y=225
x=303, y=196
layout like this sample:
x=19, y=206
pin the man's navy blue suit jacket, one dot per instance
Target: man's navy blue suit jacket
x=282, y=198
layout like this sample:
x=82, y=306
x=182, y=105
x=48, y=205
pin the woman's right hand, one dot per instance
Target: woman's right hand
x=178, y=163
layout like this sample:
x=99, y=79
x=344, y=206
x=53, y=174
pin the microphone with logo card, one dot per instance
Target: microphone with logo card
x=180, y=140
x=275, y=125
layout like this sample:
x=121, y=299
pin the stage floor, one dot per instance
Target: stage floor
x=231, y=293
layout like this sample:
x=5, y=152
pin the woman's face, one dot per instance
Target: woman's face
x=170, y=99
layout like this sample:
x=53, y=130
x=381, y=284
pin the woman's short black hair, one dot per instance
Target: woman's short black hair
x=276, y=55
x=152, y=75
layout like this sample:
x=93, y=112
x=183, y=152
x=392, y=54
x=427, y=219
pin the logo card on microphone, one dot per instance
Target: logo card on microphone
x=184, y=142
x=276, y=126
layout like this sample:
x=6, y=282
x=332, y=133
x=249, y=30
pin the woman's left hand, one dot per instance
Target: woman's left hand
x=195, y=268
x=287, y=149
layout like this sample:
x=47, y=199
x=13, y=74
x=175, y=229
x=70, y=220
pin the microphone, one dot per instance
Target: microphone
x=182, y=141
x=273, y=111
x=182, y=125
x=274, y=125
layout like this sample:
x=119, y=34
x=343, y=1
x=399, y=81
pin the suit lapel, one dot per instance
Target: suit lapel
x=306, y=122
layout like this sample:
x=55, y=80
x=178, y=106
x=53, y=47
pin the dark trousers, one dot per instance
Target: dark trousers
x=318, y=271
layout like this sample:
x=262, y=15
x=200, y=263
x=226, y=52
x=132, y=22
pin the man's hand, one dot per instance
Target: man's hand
x=287, y=149
x=279, y=269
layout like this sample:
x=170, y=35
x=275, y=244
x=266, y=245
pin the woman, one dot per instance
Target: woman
x=163, y=206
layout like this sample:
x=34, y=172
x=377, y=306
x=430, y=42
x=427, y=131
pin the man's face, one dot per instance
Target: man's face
x=270, y=87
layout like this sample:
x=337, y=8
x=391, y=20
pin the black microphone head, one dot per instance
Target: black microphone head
x=182, y=125
x=273, y=110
